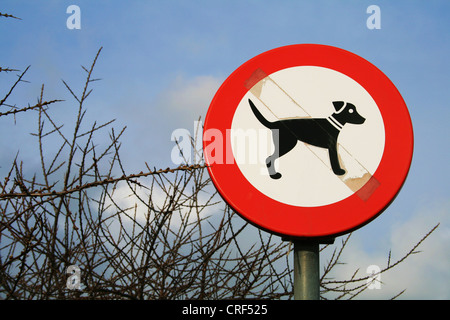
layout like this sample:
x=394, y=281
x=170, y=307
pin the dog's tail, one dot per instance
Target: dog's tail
x=259, y=116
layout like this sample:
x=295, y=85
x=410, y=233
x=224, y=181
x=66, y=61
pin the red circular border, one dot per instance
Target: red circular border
x=333, y=219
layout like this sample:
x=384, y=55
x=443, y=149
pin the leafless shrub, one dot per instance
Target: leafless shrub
x=174, y=239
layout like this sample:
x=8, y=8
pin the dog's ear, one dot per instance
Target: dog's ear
x=338, y=105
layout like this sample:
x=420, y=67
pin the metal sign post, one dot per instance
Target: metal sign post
x=306, y=270
x=307, y=266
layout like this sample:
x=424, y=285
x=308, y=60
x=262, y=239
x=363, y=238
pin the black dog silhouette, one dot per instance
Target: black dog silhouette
x=319, y=132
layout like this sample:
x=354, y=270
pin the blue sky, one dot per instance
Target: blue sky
x=162, y=62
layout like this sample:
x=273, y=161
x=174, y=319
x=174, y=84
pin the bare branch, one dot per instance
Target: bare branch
x=8, y=16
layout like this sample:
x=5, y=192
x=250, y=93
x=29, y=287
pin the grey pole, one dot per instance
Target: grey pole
x=306, y=270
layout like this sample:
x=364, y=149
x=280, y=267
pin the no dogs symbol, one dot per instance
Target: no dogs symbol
x=321, y=141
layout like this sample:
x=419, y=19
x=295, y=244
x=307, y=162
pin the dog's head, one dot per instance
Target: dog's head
x=346, y=113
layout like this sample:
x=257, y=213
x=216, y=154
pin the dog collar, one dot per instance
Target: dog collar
x=335, y=123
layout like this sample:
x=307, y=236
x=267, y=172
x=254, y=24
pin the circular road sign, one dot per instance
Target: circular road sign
x=308, y=141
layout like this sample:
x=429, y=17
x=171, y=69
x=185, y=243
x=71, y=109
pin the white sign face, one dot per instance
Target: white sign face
x=303, y=175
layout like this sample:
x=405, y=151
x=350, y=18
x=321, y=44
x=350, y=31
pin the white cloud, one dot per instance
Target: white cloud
x=424, y=275
x=135, y=204
x=427, y=274
x=188, y=98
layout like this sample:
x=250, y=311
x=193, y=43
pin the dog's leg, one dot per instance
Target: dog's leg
x=270, y=163
x=283, y=144
x=334, y=160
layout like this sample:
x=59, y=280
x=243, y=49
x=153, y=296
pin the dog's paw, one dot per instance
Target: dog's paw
x=276, y=175
x=339, y=172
